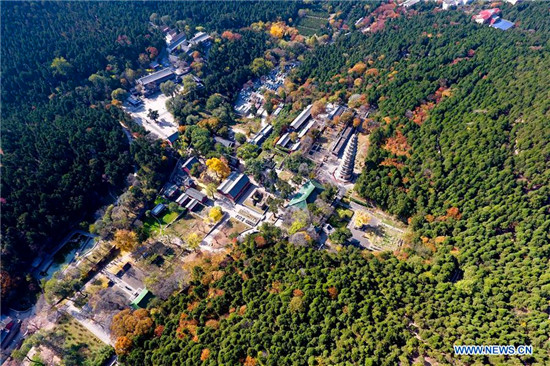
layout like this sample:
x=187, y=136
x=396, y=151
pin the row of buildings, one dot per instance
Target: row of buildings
x=299, y=127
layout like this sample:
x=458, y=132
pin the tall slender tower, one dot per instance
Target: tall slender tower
x=345, y=170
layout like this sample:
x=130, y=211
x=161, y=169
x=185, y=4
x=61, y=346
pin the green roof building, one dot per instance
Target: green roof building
x=141, y=301
x=307, y=194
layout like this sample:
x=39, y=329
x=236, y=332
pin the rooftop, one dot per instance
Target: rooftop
x=503, y=24
x=262, y=135
x=159, y=75
x=199, y=37
x=193, y=193
x=234, y=184
x=300, y=199
x=190, y=162
x=284, y=140
x=142, y=299
x=173, y=137
x=302, y=117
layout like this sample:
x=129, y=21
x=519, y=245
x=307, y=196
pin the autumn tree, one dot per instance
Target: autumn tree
x=231, y=36
x=131, y=324
x=318, y=108
x=123, y=345
x=277, y=30
x=215, y=214
x=219, y=167
x=125, y=240
x=193, y=241
x=358, y=69
x=361, y=219
x=205, y=353
x=153, y=52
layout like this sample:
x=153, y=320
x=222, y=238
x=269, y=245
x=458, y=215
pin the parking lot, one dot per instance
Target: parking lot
x=165, y=125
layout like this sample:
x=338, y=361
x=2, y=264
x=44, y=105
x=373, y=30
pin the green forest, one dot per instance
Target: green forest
x=64, y=152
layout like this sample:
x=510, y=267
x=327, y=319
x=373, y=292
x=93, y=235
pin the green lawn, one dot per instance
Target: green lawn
x=340, y=218
x=75, y=333
x=151, y=224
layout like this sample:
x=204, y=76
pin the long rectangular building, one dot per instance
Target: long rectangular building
x=156, y=78
x=262, y=135
x=341, y=141
x=301, y=119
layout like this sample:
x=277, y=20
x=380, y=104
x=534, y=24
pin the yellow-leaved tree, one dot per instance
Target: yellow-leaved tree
x=193, y=241
x=277, y=30
x=125, y=240
x=215, y=214
x=361, y=219
x=219, y=167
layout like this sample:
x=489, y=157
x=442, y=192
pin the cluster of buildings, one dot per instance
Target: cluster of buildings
x=489, y=16
x=492, y=18
x=250, y=100
x=448, y=4
x=176, y=43
x=181, y=188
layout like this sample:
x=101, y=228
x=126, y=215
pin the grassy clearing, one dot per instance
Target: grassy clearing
x=286, y=175
x=75, y=333
x=249, y=127
x=383, y=237
x=152, y=224
x=314, y=23
x=308, y=32
x=189, y=224
x=320, y=13
x=231, y=228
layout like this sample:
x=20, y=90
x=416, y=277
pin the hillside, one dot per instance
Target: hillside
x=461, y=154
